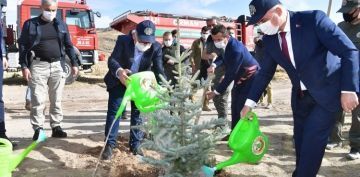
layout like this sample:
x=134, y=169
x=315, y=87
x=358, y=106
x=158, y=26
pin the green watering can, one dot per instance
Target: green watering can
x=9, y=161
x=248, y=143
x=143, y=89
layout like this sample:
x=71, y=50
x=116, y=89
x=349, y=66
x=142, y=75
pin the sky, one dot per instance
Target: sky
x=205, y=8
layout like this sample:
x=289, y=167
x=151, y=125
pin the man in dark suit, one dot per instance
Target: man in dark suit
x=240, y=66
x=303, y=43
x=3, y=65
x=132, y=53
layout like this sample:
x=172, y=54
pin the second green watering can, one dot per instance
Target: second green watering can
x=8, y=160
x=248, y=143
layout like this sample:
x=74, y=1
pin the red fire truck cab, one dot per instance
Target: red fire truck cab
x=80, y=20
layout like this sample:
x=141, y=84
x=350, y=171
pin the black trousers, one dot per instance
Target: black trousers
x=2, y=114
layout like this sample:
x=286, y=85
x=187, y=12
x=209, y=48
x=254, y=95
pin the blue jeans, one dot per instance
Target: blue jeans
x=115, y=97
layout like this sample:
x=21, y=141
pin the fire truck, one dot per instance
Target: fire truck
x=190, y=26
x=80, y=20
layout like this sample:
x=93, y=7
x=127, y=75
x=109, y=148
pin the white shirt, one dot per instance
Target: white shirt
x=289, y=44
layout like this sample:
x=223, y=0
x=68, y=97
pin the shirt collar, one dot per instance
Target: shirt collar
x=138, y=52
x=287, y=24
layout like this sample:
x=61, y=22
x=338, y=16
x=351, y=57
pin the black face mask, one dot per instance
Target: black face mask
x=348, y=17
x=259, y=43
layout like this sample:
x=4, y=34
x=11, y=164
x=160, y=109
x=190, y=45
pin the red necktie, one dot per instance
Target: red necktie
x=285, y=51
x=284, y=46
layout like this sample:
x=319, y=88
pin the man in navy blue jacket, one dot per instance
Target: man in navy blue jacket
x=3, y=65
x=240, y=67
x=303, y=43
x=132, y=53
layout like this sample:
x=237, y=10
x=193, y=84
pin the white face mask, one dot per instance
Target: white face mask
x=220, y=44
x=142, y=47
x=49, y=16
x=268, y=28
x=232, y=35
x=204, y=36
x=168, y=43
x=4, y=9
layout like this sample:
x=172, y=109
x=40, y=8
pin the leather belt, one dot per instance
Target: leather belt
x=47, y=60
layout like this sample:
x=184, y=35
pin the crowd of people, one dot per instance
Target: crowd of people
x=320, y=58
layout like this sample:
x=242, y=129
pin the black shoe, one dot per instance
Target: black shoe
x=36, y=134
x=106, y=155
x=226, y=138
x=124, y=115
x=137, y=151
x=3, y=136
x=57, y=132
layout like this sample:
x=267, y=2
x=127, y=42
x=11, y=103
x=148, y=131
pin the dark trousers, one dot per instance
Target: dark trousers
x=220, y=101
x=238, y=98
x=2, y=114
x=204, y=65
x=312, y=127
x=336, y=133
x=354, y=133
x=136, y=135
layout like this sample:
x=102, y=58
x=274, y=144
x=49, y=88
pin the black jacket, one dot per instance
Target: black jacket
x=30, y=37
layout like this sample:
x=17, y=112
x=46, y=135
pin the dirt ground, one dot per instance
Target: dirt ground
x=84, y=107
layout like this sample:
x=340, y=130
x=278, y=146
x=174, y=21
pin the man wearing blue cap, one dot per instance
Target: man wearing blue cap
x=133, y=53
x=303, y=43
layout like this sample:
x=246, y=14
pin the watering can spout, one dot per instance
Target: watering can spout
x=235, y=159
x=18, y=158
x=126, y=98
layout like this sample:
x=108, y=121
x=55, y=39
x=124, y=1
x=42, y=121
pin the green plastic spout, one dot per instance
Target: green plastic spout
x=125, y=100
x=17, y=159
x=235, y=159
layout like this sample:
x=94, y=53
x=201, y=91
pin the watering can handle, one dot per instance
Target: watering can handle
x=6, y=142
x=251, y=116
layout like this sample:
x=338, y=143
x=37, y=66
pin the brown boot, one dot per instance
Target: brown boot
x=206, y=105
x=28, y=105
x=192, y=98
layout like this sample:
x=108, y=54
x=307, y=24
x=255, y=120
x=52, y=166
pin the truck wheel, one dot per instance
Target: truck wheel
x=69, y=77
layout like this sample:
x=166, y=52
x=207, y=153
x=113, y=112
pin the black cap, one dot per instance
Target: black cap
x=348, y=5
x=258, y=9
x=146, y=31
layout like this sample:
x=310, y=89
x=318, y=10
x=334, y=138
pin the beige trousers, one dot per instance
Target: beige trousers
x=47, y=79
